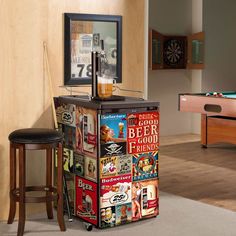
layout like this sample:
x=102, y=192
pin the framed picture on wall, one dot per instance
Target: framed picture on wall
x=83, y=34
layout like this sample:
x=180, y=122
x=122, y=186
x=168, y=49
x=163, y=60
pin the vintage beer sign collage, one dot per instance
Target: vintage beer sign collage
x=121, y=184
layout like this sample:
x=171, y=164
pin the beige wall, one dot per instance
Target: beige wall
x=25, y=100
x=220, y=37
x=196, y=75
x=170, y=18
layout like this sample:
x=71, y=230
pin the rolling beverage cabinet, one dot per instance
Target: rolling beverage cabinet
x=110, y=158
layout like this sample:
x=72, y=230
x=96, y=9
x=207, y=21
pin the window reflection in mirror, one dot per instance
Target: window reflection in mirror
x=88, y=32
x=85, y=37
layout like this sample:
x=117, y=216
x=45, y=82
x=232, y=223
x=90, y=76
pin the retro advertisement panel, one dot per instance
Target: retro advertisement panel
x=113, y=149
x=108, y=166
x=144, y=199
x=113, y=134
x=143, y=132
x=115, y=190
x=145, y=166
x=68, y=161
x=124, y=164
x=66, y=114
x=108, y=216
x=70, y=137
x=115, y=165
x=123, y=214
x=86, y=131
x=78, y=164
x=86, y=200
x=116, y=215
x=90, y=168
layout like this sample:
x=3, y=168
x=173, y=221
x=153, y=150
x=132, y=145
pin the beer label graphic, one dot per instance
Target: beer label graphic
x=145, y=166
x=78, y=164
x=142, y=132
x=144, y=199
x=115, y=190
x=123, y=214
x=70, y=137
x=66, y=114
x=113, y=149
x=108, y=166
x=113, y=128
x=90, y=168
x=124, y=164
x=86, y=200
x=115, y=165
x=89, y=131
x=108, y=217
x=86, y=131
x=67, y=159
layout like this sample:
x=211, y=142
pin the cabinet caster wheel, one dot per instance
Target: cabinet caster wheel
x=88, y=227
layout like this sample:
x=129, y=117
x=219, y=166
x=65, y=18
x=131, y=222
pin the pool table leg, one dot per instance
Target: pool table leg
x=204, y=130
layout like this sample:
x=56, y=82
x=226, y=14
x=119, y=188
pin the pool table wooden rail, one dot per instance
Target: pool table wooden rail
x=218, y=117
x=207, y=105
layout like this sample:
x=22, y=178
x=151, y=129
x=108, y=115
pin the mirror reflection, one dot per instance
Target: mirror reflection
x=93, y=33
x=87, y=36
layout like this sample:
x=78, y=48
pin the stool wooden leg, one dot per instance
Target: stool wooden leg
x=21, y=223
x=12, y=211
x=49, y=182
x=60, y=216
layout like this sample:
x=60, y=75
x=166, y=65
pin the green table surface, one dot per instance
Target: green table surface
x=230, y=95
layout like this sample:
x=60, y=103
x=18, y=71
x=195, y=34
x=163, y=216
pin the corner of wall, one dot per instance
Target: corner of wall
x=146, y=27
x=196, y=75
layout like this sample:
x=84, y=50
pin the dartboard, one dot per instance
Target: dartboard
x=174, y=52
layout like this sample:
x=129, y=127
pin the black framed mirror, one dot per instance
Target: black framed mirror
x=84, y=33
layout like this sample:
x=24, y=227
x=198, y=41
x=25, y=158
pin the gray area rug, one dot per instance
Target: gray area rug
x=178, y=217
x=185, y=169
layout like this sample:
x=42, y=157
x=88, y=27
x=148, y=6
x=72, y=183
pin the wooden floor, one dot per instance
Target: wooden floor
x=206, y=175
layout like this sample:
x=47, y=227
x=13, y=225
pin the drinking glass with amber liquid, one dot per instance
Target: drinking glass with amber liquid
x=105, y=87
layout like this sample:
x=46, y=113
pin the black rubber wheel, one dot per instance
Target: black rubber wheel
x=89, y=227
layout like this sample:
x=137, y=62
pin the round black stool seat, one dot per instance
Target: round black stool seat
x=48, y=140
x=35, y=136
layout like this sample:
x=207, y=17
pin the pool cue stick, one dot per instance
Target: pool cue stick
x=70, y=219
x=66, y=196
x=50, y=85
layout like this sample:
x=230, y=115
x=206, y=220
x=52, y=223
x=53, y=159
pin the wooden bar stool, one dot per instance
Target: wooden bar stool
x=35, y=139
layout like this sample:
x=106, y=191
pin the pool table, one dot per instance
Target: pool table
x=218, y=115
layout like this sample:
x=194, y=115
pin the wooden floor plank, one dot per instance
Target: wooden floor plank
x=206, y=175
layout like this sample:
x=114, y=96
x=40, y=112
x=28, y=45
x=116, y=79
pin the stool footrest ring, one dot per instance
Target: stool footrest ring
x=51, y=194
